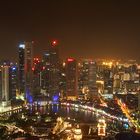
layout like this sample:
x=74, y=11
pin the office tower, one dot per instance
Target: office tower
x=62, y=80
x=12, y=79
x=13, y=75
x=25, y=68
x=93, y=93
x=105, y=76
x=28, y=66
x=116, y=83
x=22, y=69
x=45, y=73
x=51, y=74
x=87, y=79
x=37, y=75
x=54, y=71
x=5, y=85
x=108, y=81
x=83, y=72
x=71, y=79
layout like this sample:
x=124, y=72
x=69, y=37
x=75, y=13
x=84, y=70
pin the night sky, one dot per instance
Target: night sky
x=83, y=28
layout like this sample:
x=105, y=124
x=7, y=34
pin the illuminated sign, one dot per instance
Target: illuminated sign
x=70, y=59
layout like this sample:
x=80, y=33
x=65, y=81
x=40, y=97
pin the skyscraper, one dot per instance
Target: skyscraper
x=28, y=67
x=22, y=69
x=13, y=75
x=92, y=80
x=108, y=81
x=37, y=69
x=5, y=84
x=87, y=79
x=8, y=81
x=83, y=78
x=71, y=79
x=45, y=73
x=25, y=68
x=63, y=79
x=51, y=73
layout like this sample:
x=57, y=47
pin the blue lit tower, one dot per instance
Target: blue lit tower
x=28, y=66
x=25, y=68
x=52, y=70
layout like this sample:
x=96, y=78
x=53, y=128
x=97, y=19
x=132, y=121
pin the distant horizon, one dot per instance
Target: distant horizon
x=15, y=59
x=84, y=29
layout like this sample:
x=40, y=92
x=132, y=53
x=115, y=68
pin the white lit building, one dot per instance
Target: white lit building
x=5, y=85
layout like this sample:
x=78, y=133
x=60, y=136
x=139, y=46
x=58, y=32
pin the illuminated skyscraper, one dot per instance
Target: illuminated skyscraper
x=45, y=74
x=83, y=77
x=13, y=73
x=38, y=70
x=22, y=68
x=87, y=79
x=25, y=67
x=71, y=78
x=8, y=80
x=5, y=84
x=52, y=70
x=63, y=79
x=92, y=80
x=28, y=66
x=108, y=81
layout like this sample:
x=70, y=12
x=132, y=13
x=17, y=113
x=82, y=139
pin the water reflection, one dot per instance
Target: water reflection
x=80, y=115
x=75, y=113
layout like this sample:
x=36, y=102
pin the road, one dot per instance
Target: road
x=126, y=111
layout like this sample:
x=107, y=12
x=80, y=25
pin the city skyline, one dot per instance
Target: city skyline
x=83, y=29
x=69, y=70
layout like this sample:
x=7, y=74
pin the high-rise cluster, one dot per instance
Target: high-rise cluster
x=51, y=78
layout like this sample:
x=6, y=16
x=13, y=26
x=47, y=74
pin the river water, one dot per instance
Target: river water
x=80, y=116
